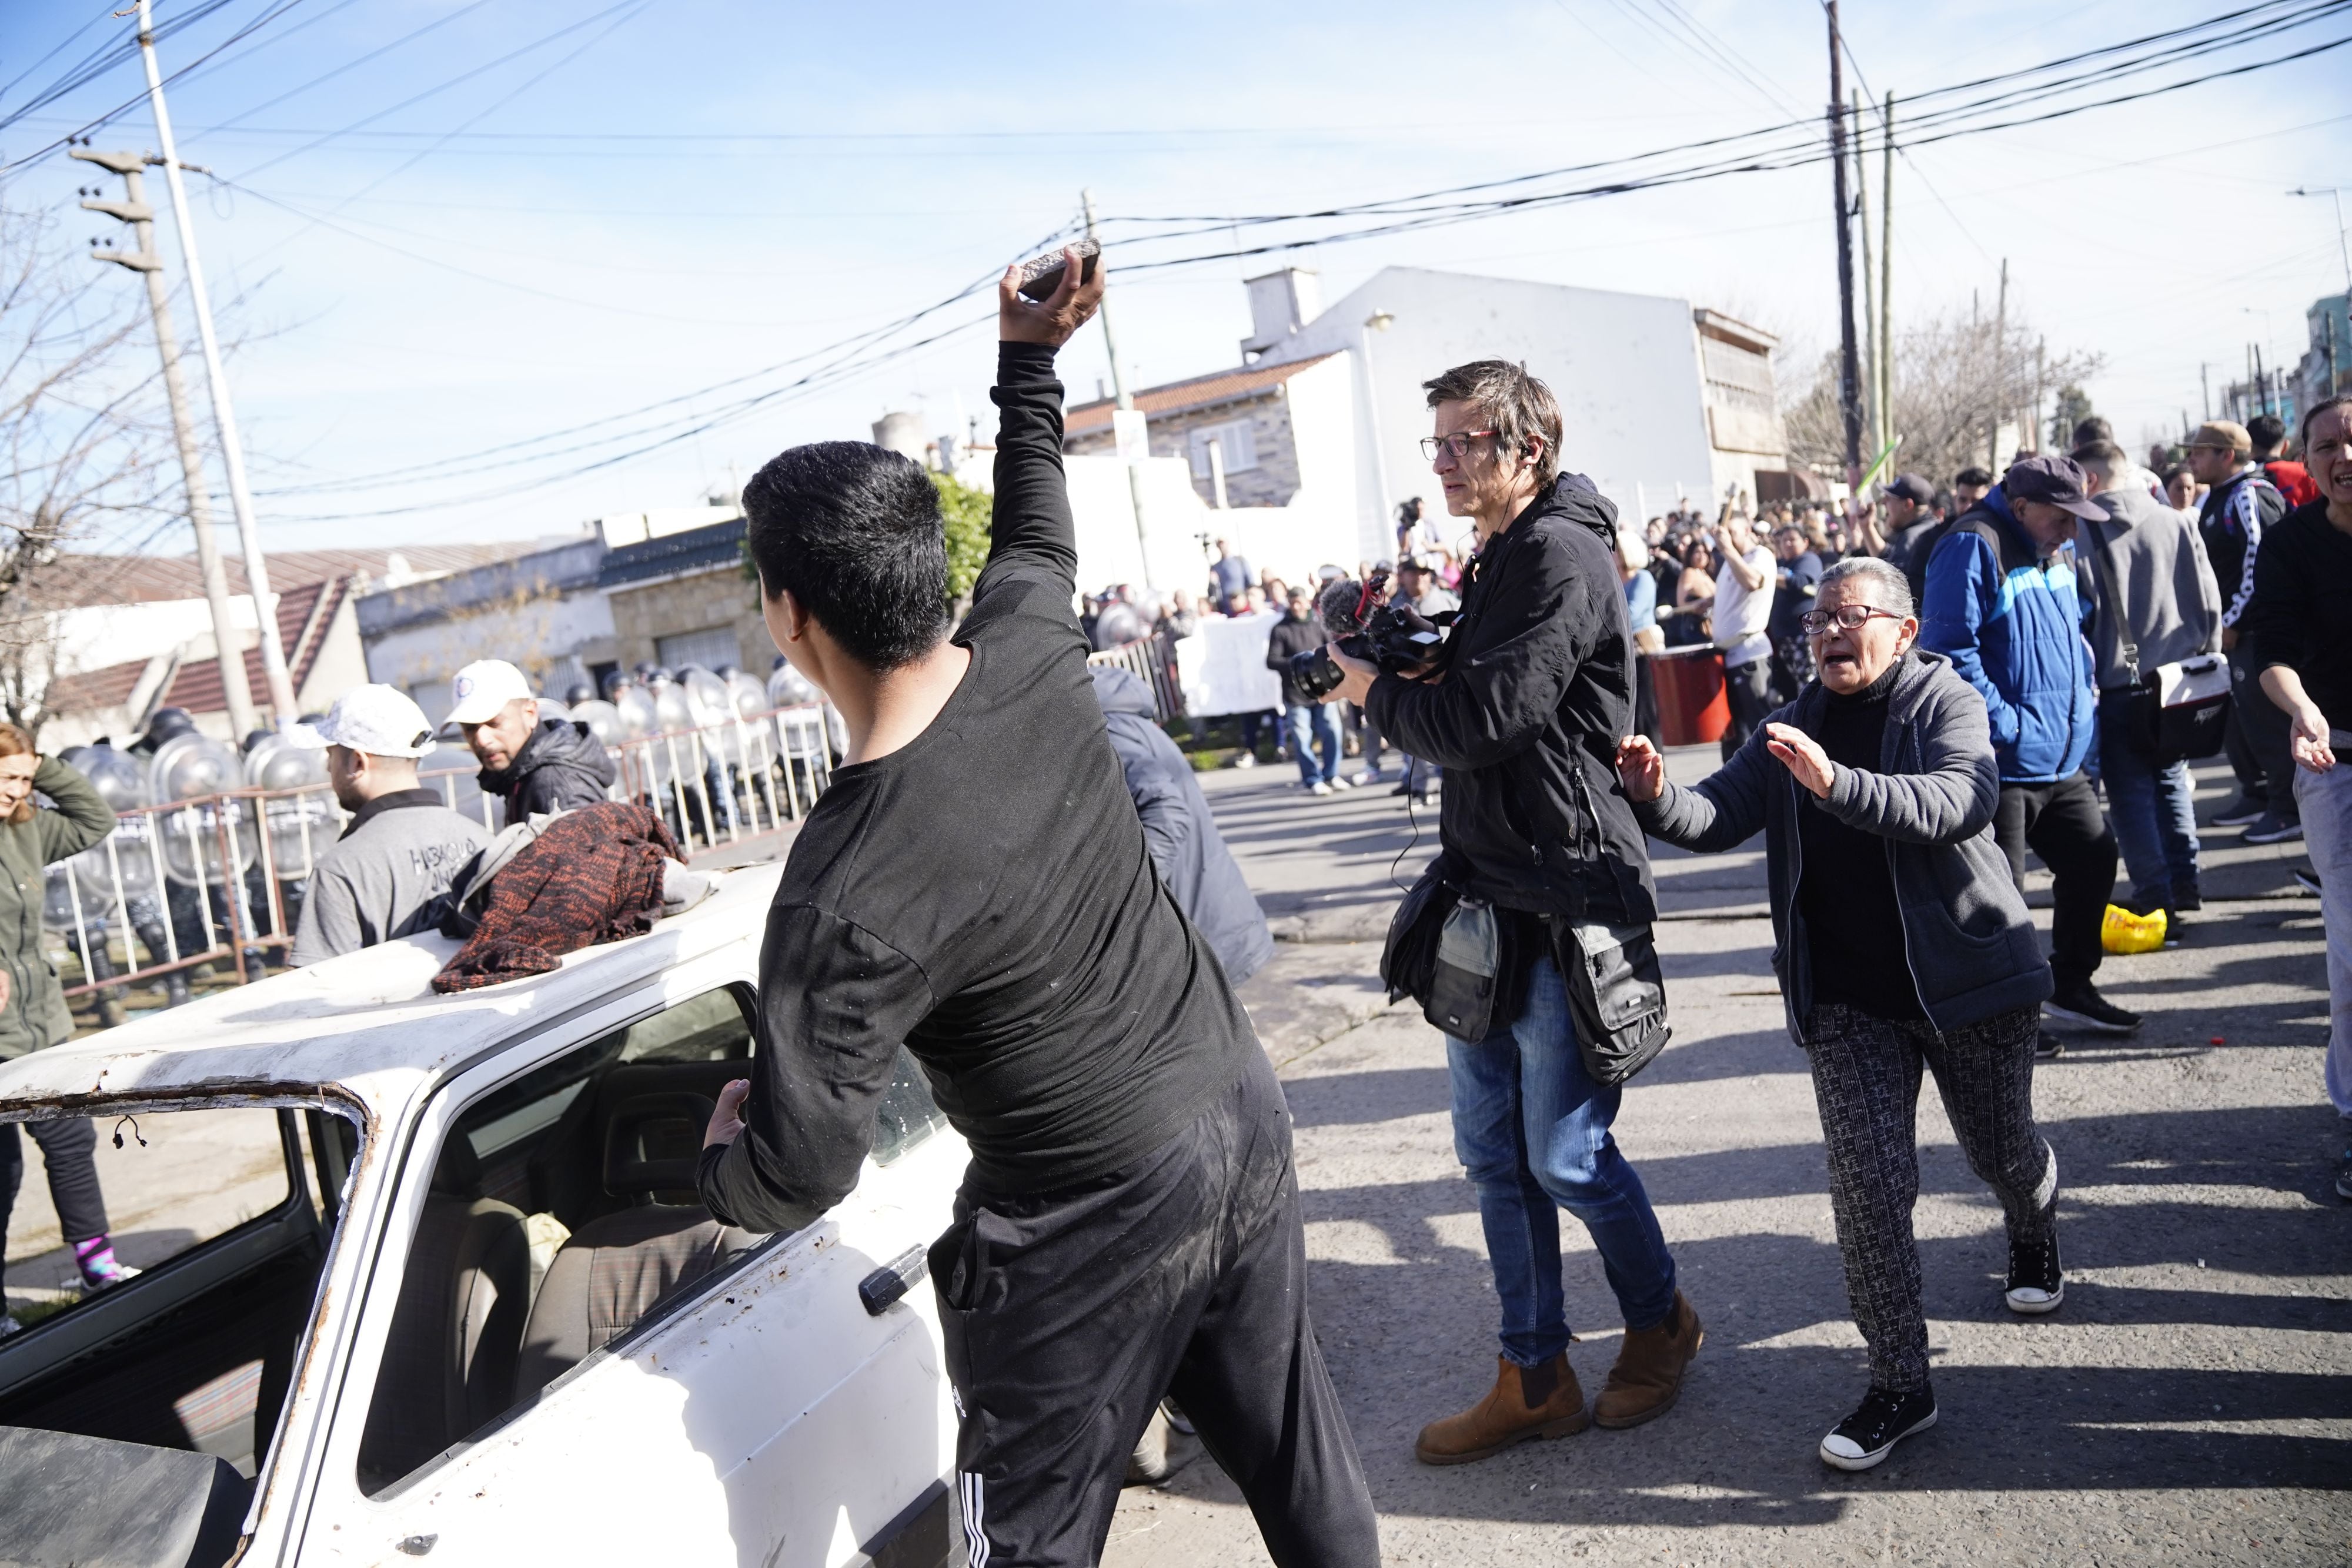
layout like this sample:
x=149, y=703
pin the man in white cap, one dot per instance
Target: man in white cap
x=532, y=764
x=384, y=877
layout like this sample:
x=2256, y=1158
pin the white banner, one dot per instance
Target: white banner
x=1221, y=666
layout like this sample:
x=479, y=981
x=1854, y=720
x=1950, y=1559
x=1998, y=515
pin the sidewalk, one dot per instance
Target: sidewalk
x=2192, y=1402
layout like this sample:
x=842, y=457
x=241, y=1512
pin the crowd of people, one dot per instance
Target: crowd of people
x=1921, y=688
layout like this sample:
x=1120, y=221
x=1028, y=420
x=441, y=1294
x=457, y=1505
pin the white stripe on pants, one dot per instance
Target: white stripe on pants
x=2325, y=800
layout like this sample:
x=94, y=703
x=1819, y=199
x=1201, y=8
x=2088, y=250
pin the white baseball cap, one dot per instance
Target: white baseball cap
x=382, y=721
x=483, y=687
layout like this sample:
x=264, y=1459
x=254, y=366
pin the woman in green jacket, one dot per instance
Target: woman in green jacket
x=33, y=1013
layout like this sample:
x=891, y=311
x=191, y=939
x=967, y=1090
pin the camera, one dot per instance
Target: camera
x=1396, y=637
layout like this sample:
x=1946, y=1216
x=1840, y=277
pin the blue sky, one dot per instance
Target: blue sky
x=588, y=208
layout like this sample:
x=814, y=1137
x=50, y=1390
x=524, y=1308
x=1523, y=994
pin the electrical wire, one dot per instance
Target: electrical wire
x=129, y=103
x=478, y=462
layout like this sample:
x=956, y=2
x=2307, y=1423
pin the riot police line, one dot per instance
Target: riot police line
x=214, y=844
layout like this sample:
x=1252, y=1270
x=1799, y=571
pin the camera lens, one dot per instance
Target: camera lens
x=1315, y=672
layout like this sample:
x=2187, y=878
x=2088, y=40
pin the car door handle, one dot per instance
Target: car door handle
x=892, y=1281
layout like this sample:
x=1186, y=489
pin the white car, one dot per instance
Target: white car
x=424, y=1279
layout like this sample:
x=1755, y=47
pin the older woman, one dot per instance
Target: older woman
x=1902, y=944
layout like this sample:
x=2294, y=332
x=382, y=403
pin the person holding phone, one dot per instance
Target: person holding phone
x=975, y=886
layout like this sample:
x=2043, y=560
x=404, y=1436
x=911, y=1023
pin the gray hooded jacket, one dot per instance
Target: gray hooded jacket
x=1194, y=865
x=1972, y=948
x=2153, y=581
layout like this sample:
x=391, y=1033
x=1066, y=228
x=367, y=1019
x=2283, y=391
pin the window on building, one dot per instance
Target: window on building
x=1238, y=440
x=710, y=648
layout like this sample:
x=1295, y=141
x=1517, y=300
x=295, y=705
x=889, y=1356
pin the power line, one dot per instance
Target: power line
x=130, y=52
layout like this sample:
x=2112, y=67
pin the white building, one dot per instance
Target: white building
x=1302, y=453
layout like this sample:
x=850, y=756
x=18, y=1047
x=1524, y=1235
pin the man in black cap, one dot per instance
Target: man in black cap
x=1909, y=528
x=2002, y=605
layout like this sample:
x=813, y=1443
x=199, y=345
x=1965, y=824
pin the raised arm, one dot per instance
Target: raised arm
x=82, y=817
x=1031, y=534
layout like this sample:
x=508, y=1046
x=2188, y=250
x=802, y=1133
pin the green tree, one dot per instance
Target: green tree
x=966, y=511
x=2070, y=408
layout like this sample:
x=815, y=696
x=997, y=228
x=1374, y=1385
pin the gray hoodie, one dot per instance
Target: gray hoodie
x=1972, y=947
x=2153, y=581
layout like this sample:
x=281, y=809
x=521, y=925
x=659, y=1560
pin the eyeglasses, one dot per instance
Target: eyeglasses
x=1457, y=443
x=1849, y=618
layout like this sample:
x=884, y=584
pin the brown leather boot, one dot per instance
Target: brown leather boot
x=1648, y=1377
x=1526, y=1402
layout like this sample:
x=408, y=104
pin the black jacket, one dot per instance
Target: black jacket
x=560, y=766
x=1194, y=862
x=1538, y=686
x=1291, y=636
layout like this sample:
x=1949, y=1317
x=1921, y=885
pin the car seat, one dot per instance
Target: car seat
x=618, y=1268
x=449, y=1364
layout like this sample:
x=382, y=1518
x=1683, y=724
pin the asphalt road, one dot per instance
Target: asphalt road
x=2191, y=1403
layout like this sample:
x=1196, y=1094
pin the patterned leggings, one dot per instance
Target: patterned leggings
x=1866, y=1082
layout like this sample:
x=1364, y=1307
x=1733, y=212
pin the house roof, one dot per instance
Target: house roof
x=1179, y=397
x=674, y=555
x=87, y=579
x=303, y=614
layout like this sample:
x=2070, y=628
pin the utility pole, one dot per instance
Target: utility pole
x=1121, y=402
x=1849, y=369
x=1876, y=419
x=257, y=572
x=1999, y=366
x=1886, y=276
x=2205, y=387
x=141, y=219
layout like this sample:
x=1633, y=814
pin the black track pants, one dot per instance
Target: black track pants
x=68, y=1151
x=2062, y=822
x=1068, y=1314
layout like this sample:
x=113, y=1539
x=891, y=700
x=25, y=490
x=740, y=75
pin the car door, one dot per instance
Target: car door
x=755, y=1413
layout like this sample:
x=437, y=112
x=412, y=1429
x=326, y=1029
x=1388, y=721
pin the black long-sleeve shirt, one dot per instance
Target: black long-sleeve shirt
x=1845, y=881
x=983, y=895
x=2301, y=612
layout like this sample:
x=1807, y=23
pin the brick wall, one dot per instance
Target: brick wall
x=641, y=615
x=1272, y=483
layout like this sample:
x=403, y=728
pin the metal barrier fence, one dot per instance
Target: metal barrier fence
x=223, y=876
x=1154, y=662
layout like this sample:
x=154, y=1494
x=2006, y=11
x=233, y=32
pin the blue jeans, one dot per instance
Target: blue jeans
x=1531, y=1128
x=1315, y=720
x=2153, y=809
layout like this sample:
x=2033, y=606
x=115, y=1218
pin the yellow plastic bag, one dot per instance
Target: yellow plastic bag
x=2123, y=931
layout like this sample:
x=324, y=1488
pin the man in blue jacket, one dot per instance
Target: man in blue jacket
x=2001, y=604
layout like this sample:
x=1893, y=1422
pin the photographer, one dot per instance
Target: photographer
x=1525, y=717
x=975, y=886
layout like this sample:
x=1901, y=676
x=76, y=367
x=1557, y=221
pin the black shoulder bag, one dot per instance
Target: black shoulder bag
x=1615, y=987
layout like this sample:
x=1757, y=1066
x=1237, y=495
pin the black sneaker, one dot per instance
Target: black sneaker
x=2344, y=1176
x=2048, y=1047
x=2080, y=1005
x=2187, y=896
x=2272, y=829
x=2036, y=1287
x=2243, y=812
x=1870, y=1434
x=2308, y=881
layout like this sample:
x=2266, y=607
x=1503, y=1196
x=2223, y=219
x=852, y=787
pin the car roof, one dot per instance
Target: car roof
x=368, y=1023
